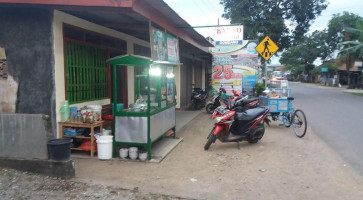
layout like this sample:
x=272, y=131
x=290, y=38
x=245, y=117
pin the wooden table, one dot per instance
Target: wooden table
x=81, y=125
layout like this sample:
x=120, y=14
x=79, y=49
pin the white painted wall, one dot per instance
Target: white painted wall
x=59, y=19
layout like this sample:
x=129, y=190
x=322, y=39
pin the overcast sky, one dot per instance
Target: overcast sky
x=207, y=13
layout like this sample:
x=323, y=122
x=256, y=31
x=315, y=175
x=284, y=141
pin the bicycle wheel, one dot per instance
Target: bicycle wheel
x=287, y=119
x=299, y=123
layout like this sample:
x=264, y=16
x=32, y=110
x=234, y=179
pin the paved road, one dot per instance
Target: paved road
x=334, y=116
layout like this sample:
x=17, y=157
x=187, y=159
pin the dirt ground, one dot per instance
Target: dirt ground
x=280, y=166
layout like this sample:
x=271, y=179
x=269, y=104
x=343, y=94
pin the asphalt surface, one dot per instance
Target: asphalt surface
x=335, y=116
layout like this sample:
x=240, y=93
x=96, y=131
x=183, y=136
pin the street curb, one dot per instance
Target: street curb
x=64, y=169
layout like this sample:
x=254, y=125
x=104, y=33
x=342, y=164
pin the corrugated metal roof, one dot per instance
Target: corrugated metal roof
x=119, y=16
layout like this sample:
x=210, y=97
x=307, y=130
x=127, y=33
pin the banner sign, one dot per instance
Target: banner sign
x=173, y=49
x=231, y=63
x=164, y=47
x=227, y=35
x=248, y=83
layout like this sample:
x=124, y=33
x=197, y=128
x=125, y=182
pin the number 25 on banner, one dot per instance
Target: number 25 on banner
x=225, y=70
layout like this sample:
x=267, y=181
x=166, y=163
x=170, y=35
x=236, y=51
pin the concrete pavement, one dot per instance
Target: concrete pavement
x=280, y=166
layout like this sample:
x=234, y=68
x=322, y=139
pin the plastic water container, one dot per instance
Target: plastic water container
x=104, y=147
x=64, y=111
x=73, y=114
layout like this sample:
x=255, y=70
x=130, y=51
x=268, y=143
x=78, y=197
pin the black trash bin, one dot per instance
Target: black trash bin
x=60, y=149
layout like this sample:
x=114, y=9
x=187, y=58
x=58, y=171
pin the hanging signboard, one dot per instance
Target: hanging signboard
x=231, y=63
x=164, y=47
x=173, y=49
x=227, y=35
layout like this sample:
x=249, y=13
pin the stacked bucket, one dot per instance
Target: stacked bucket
x=104, y=147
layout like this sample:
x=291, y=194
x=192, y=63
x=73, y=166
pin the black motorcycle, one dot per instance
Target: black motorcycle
x=215, y=103
x=198, y=99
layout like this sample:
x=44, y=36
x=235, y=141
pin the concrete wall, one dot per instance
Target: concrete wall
x=24, y=136
x=27, y=38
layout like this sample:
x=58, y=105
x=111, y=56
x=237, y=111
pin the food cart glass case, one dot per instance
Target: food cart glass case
x=152, y=115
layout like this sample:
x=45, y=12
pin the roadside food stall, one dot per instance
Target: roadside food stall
x=152, y=115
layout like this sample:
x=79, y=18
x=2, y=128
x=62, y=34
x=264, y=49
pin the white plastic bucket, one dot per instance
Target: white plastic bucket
x=105, y=137
x=106, y=132
x=143, y=155
x=104, y=147
x=124, y=152
x=133, y=153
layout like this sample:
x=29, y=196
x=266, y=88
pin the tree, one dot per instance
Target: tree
x=351, y=50
x=356, y=46
x=342, y=36
x=336, y=32
x=283, y=20
x=304, y=53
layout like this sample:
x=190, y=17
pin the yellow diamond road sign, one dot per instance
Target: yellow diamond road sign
x=267, y=48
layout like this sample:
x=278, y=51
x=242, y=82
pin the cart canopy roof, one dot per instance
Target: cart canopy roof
x=130, y=60
x=136, y=61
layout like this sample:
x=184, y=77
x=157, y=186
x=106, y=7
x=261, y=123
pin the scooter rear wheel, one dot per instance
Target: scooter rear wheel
x=212, y=138
x=257, y=137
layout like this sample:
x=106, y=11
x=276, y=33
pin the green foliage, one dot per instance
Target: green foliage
x=358, y=94
x=304, y=52
x=259, y=88
x=295, y=69
x=336, y=32
x=352, y=47
x=261, y=18
x=315, y=71
x=355, y=46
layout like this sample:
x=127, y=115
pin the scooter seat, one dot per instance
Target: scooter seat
x=250, y=114
x=247, y=101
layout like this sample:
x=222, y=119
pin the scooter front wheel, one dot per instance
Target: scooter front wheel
x=212, y=138
x=209, y=108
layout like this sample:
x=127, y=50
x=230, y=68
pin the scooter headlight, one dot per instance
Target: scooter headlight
x=217, y=119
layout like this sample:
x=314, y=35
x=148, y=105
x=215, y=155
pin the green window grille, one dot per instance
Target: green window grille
x=86, y=78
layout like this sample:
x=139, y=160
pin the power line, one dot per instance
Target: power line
x=211, y=5
x=199, y=7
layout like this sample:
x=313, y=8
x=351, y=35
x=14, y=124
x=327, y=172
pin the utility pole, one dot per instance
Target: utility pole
x=264, y=64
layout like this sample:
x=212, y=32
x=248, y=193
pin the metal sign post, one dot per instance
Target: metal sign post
x=266, y=49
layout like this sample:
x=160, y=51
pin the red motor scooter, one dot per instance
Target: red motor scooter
x=234, y=123
x=249, y=103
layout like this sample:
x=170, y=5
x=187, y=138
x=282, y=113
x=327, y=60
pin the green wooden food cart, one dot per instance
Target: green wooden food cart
x=152, y=115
